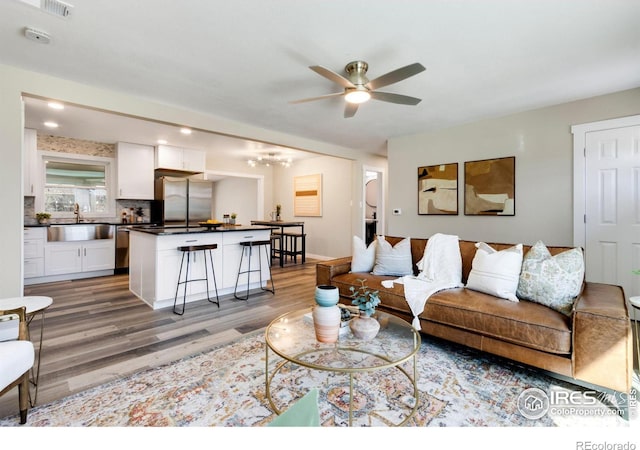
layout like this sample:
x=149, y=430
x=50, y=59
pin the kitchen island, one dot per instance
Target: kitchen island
x=154, y=261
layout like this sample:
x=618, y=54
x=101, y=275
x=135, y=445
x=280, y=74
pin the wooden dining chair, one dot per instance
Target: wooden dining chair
x=16, y=356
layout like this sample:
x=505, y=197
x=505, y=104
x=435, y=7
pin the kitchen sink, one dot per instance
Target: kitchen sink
x=79, y=232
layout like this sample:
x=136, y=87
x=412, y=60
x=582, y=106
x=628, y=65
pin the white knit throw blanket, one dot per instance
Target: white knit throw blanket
x=440, y=269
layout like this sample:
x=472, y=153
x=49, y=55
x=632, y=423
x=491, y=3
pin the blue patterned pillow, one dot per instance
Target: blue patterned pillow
x=553, y=281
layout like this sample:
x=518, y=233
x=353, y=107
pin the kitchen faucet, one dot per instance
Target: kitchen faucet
x=76, y=211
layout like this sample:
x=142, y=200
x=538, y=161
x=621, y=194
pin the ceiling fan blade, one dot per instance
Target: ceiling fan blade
x=350, y=109
x=395, y=98
x=396, y=75
x=333, y=76
x=322, y=97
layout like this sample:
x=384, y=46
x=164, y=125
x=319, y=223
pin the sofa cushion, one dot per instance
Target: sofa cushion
x=362, y=257
x=393, y=260
x=525, y=323
x=496, y=272
x=554, y=281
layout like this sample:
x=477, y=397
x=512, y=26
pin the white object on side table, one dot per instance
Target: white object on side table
x=33, y=305
x=635, y=303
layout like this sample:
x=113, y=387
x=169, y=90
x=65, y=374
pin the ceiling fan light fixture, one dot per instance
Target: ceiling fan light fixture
x=357, y=96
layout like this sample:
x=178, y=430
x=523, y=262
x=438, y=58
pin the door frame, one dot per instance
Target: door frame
x=380, y=209
x=580, y=170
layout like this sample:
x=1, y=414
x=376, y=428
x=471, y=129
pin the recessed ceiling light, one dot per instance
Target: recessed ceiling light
x=162, y=141
x=185, y=130
x=56, y=105
x=51, y=125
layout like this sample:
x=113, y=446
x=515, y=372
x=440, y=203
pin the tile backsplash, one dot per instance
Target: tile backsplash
x=75, y=146
x=30, y=212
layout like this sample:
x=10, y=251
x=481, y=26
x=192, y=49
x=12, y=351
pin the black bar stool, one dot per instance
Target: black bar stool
x=247, y=247
x=187, y=251
x=276, y=246
x=291, y=246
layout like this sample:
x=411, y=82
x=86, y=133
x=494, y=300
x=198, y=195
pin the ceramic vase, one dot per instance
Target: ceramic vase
x=327, y=295
x=326, y=322
x=364, y=328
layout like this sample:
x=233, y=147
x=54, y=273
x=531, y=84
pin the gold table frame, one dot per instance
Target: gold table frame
x=296, y=319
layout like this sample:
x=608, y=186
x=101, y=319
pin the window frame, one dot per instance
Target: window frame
x=110, y=180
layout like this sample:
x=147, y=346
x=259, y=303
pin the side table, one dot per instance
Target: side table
x=33, y=305
x=635, y=304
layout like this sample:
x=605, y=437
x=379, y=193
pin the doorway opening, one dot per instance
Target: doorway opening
x=373, y=208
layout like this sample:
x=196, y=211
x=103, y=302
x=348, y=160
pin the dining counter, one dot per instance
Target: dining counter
x=155, y=260
x=171, y=231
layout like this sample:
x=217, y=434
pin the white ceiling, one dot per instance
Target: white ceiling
x=100, y=126
x=246, y=59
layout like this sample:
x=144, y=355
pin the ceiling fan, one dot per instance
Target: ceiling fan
x=358, y=89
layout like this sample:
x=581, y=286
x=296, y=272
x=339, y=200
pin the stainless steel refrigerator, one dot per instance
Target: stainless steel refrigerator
x=182, y=202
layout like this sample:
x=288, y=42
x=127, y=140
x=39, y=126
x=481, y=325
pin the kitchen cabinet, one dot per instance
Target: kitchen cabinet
x=232, y=254
x=179, y=158
x=135, y=165
x=155, y=263
x=34, y=252
x=194, y=160
x=31, y=165
x=62, y=258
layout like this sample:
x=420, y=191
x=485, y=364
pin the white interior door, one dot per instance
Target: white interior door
x=613, y=207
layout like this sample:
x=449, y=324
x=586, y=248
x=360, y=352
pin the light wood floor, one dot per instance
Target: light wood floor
x=96, y=330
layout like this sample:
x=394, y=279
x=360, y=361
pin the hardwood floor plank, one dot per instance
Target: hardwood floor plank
x=97, y=331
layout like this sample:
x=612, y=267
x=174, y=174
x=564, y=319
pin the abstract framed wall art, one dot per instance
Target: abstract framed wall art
x=438, y=189
x=307, y=200
x=490, y=187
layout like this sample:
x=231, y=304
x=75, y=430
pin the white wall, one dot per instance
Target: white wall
x=330, y=234
x=540, y=140
x=14, y=82
x=236, y=194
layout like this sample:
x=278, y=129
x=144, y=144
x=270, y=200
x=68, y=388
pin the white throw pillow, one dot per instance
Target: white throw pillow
x=394, y=261
x=362, y=257
x=496, y=272
x=553, y=281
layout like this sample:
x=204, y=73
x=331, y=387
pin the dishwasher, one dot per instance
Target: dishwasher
x=122, y=249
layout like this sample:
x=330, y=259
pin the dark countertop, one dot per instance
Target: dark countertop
x=169, y=231
x=97, y=222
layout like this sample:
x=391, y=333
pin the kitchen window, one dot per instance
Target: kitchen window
x=68, y=181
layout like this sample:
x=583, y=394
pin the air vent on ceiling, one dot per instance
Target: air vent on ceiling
x=55, y=7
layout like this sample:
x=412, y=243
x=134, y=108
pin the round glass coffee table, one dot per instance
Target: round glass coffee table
x=292, y=337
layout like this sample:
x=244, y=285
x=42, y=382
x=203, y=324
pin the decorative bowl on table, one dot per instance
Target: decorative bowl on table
x=210, y=224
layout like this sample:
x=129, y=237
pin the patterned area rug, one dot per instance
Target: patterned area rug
x=225, y=387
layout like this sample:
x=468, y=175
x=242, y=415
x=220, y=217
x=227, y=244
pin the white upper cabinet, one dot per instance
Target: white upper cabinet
x=193, y=160
x=30, y=170
x=178, y=158
x=135, y=164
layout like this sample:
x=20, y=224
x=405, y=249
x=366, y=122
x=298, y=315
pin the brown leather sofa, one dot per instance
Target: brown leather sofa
x=592, y=348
